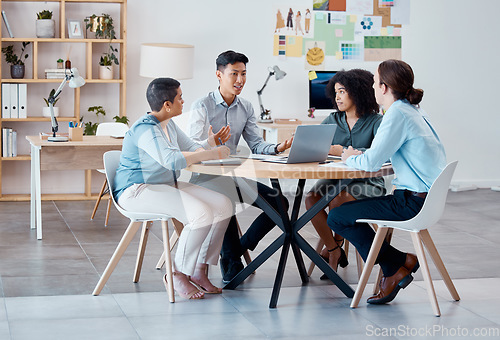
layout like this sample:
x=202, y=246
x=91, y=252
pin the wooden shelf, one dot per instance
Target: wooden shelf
x=17, y=158
x=80, y=1
x=38, y=119
x=43, y=80
x=64, y=40
x=35, y=67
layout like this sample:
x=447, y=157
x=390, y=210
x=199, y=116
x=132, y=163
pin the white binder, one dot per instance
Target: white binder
x=14, y=101
x=23, y=97
x=6, y=100
x=5, y=137
x=13, y=143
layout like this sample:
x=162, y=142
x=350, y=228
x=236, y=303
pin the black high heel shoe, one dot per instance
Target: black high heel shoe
x=342, y=261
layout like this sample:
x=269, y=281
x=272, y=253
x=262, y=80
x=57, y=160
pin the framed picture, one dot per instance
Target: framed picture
x=75, y=29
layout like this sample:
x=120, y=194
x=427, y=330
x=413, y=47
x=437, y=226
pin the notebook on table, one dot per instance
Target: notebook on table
x=311, y=143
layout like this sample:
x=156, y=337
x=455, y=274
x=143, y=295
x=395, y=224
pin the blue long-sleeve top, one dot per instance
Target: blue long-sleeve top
x=407, y=138
x=148, y=156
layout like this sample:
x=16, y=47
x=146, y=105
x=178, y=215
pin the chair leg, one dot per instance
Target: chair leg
x=388, y=239
x=120, y=249
x=101, y=193
x=370, y=261
x=168, y=260
x=107, y=211
x=178, y=226
x=319, y=246
x=246, y=254
x=359, y=264
x=431, y=248
x=142, y=249
x=417, y=243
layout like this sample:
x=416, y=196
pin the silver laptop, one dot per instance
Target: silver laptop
x=311, y=143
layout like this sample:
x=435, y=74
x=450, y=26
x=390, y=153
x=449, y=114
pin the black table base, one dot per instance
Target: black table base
x=290, y=237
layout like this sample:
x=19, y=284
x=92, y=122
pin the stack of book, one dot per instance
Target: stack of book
x=55, y=73
x=9, y=142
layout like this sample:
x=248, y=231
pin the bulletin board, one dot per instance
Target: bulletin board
x=350, y=30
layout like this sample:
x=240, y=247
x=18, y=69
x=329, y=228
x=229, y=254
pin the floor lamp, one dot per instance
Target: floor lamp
x=166, y=60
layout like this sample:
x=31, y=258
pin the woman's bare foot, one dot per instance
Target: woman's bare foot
x=186, y=289
x=200, y=279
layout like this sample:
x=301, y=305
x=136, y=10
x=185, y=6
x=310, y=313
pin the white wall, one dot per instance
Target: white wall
x=452, y=46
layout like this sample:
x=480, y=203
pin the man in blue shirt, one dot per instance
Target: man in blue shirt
x=219, y=110
x=406, y=137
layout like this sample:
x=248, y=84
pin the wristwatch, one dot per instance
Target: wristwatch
x=276, y=149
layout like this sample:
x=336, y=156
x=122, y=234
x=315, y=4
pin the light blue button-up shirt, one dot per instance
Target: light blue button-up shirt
x=407, y=138
x=148, y=156
x=240, y=116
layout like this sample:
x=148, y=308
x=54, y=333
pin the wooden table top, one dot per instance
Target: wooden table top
x=258, y=169
x=87, y=141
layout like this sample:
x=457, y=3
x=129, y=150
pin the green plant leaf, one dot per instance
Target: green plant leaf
x=123, y=119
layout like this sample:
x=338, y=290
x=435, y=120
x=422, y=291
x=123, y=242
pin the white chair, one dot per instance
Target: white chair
x=359, y=259
x=107, y=129
x=429, y=215
x=111, y=162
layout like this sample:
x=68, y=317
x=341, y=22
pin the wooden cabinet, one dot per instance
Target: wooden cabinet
x=89, y=52
x=279, y=132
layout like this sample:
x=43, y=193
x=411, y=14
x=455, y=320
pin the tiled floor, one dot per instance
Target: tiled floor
x=46, y=286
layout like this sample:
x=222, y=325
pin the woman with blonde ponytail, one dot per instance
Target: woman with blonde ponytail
x=407, y=138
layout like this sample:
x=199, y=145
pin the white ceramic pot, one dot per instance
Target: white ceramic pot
x=46, y=111
x=45, y=28
x=105, y=72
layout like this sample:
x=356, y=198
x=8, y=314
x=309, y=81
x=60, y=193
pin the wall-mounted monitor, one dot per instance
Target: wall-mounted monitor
x=317, y=94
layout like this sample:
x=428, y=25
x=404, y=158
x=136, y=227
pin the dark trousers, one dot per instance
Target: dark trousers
x=232, y=246
x=397, y=207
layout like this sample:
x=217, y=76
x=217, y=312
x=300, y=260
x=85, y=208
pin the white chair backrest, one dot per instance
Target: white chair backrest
x=111, y=129
x=111, y=161
x=434, y=204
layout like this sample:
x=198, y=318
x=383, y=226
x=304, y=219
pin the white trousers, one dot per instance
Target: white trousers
x=204, y=213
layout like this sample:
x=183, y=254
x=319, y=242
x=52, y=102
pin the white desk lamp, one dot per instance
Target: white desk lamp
x=265, y=115
x=75, y=80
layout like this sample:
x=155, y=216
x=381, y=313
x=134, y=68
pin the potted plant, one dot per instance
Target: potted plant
x=104, y=29
x=101, y=25
x=106, y=63
x=46, y=109
x=91, y=128
x=45, y=26
x=17, y=66
x=60, y=63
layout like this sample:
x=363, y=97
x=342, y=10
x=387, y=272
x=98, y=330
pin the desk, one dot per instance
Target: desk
x=290, y=225
x=83, y=155
x=279, y=132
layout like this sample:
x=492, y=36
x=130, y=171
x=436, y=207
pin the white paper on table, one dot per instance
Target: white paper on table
x=337, y=165
x=343, y=165
x=260, y=157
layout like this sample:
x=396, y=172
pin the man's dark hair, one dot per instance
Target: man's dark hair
x=359, y=86
x=229, y=57
x=161, y=90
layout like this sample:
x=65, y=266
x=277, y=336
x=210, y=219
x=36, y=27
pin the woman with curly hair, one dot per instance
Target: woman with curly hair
x=357, y=121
